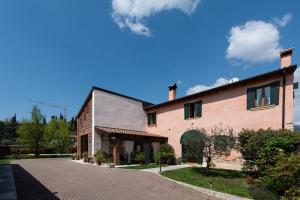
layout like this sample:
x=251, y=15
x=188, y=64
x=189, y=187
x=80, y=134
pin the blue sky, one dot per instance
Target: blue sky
x=54, y=51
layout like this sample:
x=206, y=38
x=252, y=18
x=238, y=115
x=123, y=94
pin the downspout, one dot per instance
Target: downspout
x=283, y=99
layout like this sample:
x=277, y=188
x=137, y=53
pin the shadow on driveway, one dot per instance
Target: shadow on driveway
x=28, y=187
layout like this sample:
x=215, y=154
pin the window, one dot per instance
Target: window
x=193, y=110
x=151, y=119
x=263, y=96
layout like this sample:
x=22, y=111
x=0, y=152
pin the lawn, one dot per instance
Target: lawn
x=221, y=180
x=4, y=161
x=146, y=166
x=29, y=156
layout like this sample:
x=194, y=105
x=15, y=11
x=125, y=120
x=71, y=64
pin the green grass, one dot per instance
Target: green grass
x=146, y=166
x=221, y=180
x=4, y=161
x=27, y=156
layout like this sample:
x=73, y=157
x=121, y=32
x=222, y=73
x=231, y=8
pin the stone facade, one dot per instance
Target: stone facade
x=84, y=126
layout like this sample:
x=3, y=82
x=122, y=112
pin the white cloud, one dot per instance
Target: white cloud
x=218, y=82
x=132, y=13
x=283, y=21
x=256, y=41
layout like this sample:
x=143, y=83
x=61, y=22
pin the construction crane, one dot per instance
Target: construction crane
x=53, y=106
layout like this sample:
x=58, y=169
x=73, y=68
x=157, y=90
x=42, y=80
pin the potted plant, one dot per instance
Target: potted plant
x=85, y=156
x=99, y=157
x=140, y=158
x=74, y=156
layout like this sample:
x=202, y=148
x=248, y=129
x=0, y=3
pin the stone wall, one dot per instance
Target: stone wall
x=84, y=127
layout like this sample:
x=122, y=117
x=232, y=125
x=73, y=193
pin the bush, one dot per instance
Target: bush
x=98, y=157
x=261, y=192
x=178, y=161
x=107, y=158
x=165, y=154
x=74, y=156
x=140, y=157
x=192, y=142
x=285, y=174
x=259, y=148
x=292, y=194
x=85, y=156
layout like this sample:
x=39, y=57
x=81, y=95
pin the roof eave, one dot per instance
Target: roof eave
x=290, y=69
x=145, y=103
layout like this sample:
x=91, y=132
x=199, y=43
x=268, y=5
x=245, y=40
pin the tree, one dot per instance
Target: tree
x=165, y=154
x=58, y=135
x=44, y=121
x=260, y=148
x=31, y=133
x=8, y=129
x=73, y=124
x=217, y=143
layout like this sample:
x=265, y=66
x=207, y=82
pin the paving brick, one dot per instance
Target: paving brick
x=63, y=179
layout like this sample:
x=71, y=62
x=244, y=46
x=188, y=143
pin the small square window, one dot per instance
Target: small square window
x=151, y=119
x=193, y=110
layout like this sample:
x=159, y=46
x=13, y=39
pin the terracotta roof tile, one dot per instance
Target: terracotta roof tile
x=109, y=130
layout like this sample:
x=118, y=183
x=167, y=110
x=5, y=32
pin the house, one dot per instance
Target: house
x=120, y=125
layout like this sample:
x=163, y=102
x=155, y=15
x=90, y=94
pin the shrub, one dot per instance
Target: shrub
x=292, y=194
x=192, y=142
x=261, y=192
x=74, y=156
x=140, y=157
x=178, y=161
x=107, y=158
x=259, y=148
x=85, y=156
x=98, y=157
x=285, y=174
x=165, y=154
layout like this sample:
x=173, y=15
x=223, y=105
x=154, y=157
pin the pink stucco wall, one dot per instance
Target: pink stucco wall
x=226, y=108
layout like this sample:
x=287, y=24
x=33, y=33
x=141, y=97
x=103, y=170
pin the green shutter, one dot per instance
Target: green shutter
x=275, y=93
x=154, y=118
x=186, y=111
x=250, y=98
x=198, y=108
x=149, y=118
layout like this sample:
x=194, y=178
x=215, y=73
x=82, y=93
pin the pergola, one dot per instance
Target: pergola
x=117, y=136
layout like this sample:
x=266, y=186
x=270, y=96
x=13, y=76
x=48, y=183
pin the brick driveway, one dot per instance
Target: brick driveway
x=63, y=179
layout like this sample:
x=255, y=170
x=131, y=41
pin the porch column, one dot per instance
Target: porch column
x=116, y=153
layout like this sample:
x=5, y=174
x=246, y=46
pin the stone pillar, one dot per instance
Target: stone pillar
x=116, y=153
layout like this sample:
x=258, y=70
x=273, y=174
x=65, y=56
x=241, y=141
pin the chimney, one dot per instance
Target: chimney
x=172, y=92
x=286, y=57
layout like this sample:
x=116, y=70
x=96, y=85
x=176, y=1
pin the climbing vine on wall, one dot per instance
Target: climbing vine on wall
x=192, y=142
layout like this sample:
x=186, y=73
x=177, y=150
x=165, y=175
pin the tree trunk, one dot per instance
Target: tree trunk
x=36, y=151
x=208, y=163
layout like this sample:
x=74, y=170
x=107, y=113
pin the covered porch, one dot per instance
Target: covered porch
x=123, y=144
